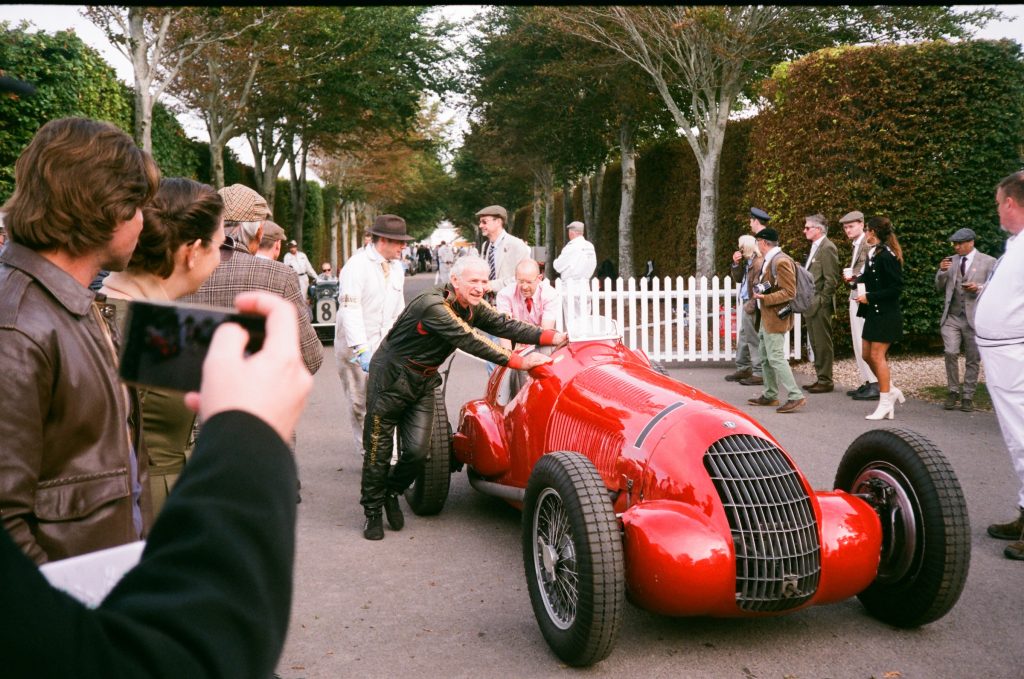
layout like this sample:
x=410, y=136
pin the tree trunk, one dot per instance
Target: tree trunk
x=143, y=119
x=298, y=189
x=567, y=209
x=549, y=222
x=217, y=161
x=267, y=161
x=536, y=211
x=707, y=219
x=598, y=192
x=588, y=207
x=628, y=194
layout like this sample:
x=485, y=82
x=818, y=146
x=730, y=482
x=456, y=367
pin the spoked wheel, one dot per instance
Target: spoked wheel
x=926, y=547
x=572, y=552
x=428, y=493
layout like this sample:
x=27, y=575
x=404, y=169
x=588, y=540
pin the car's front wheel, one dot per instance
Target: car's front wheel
x=572, y=552
x=926, y=545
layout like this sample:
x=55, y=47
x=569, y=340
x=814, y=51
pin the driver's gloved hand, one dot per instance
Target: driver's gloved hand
x=362, y=355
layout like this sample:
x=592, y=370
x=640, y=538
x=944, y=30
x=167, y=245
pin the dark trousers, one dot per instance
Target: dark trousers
x=819, y=332
x=396, y=396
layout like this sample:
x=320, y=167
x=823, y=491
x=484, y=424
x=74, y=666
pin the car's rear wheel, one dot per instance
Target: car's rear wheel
x=572, y=551
x=428, y=493
x=926, y=546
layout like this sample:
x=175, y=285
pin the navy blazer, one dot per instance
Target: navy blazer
x=883, y=279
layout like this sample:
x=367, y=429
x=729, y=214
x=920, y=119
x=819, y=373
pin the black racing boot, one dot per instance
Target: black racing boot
x=1012, y=530
x=373, y=529
x=396, y=520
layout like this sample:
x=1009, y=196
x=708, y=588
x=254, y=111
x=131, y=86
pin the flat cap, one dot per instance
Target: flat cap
x=758, y=213
x=574, y=226
x=494, y=211
x=768, y=234
x=272, y=231
x=855, y=216
x=242, y=204
x=962, y=236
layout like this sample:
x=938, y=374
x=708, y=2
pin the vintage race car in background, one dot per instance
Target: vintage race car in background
x=323, y=297
x=634, y=485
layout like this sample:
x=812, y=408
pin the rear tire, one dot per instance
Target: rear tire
x=926, y=546
x=572, y=552
x=428, y=493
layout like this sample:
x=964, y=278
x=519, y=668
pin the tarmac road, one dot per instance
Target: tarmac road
x=446, y=597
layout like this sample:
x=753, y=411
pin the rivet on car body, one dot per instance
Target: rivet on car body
x=729, y=424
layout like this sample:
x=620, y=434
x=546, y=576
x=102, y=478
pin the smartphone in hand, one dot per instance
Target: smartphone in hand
x=165, y=344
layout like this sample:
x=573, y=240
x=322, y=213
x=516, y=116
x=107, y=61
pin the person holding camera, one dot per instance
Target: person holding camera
x=961, y=278
x=775, y=289
x=878, y=292
x=212, y=592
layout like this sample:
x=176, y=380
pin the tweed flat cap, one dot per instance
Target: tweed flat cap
x=962, y=236
x=855, y=216
x=242, y=204
x=494, y=211
x=574, y=226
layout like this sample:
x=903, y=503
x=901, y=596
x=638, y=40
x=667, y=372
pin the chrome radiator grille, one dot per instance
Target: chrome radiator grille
x=778, y=555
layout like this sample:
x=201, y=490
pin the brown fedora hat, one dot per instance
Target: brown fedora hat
x=389, y=226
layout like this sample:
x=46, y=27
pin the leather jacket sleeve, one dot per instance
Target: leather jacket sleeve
x=440, y=319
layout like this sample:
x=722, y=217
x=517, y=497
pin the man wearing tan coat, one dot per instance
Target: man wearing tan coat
x=779, y=272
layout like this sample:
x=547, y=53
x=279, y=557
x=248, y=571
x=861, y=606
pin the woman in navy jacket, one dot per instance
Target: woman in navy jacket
x=880, y=308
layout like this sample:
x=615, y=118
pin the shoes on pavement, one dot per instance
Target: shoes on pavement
x=870, y=393
x=373, y=529
x=951, y=400
x=1012, y=530
x=752, y=380
x=858, y=390
x=396, y=520
x=762, y=401
x=819, y=388
x=967, y=405
x=791, y=406
x=738, y=375
x=1015, y=550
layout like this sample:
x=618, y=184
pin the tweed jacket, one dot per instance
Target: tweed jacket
x=949, y=283
x=753, y=274
x=824, y=268
x=859, y=261
x=510, y=251
x=239, y=271
x=783, y=293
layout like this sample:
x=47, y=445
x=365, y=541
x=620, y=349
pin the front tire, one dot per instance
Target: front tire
x=428, y=493
x=572, y=552
x=926, y=546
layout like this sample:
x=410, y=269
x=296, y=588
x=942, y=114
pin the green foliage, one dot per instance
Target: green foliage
x=71, y=79
x=918, y=133
x=316, y=237
x=175, y=153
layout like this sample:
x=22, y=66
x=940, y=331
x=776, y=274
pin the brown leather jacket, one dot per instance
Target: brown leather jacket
x=784, y=290
x=65, y=463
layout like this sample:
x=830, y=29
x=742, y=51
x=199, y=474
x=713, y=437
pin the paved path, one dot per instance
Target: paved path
x=446, y=597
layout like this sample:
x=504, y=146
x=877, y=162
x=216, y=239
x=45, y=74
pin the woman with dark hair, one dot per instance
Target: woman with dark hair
x=178, y=249
x=879, y=300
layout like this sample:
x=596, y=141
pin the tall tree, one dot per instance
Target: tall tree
x=702, y=59
x=152, y=39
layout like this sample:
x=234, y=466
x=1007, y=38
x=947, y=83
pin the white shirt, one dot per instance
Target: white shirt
x=814, y=249
x=577, y=261
x=299, y=263
x=999, y=315
x=369, y=304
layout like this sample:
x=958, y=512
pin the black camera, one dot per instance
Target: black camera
x=785, y=311
x=763, y=288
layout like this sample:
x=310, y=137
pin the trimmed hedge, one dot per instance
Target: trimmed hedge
x=918, y=133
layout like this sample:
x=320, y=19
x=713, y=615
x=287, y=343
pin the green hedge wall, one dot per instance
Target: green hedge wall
x=918, y=133
x=316, y=240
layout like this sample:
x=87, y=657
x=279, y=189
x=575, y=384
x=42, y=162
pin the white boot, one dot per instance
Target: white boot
x=897, y=395
x=886, y=405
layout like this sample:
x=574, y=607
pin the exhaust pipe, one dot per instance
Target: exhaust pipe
x=508, y=493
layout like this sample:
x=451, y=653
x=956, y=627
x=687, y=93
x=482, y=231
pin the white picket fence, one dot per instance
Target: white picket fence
x=670, y=319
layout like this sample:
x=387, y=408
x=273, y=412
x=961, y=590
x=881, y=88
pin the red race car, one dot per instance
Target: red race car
x=635, y=485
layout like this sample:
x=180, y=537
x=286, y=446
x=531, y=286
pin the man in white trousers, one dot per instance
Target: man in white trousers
x=372, y=296
x=576, y=266
x=999, y=333
x=853, y=226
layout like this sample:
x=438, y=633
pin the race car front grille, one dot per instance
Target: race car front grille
x=778, y=555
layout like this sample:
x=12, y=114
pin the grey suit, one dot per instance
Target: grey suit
x=824, y=268
x=957, y=322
